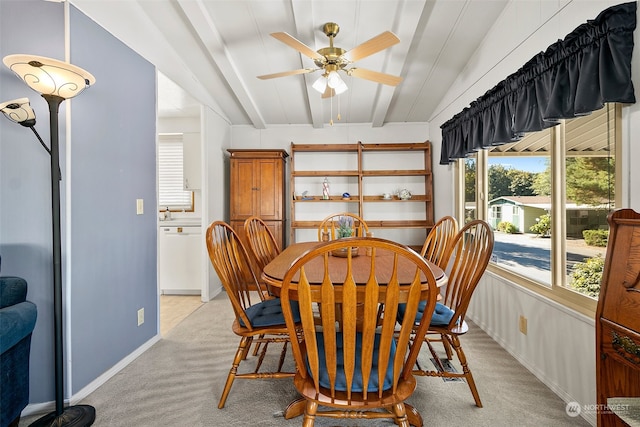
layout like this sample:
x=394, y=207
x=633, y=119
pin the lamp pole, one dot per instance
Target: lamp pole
x=55, y=81
x=54, y=105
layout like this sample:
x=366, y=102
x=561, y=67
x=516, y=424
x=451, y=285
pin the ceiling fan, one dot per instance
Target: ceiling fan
x=332, y=59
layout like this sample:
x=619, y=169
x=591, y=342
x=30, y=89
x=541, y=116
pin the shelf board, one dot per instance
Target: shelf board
x=324, y=173
x=324, y=147
x=372, y=224
x=353, y=199
x=397, y=146
x=396, y=172
x=414, y=198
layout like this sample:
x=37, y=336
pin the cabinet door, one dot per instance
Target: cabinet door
x=269, y=181
x=243, y=189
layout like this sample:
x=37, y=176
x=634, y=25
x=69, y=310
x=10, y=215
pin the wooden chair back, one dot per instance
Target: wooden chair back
x=330, y=227
x=336, y=358
x=232, y=264
x=436, y=245
x=470, y=252
x=262, y=242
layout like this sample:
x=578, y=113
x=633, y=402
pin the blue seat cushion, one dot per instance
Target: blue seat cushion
x=441, y=315
x=269, y=313
x=357, y=386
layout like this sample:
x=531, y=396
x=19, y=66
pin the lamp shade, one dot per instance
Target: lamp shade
x=320, y=84
x=334, y=80
x=19, y=111
x=341, y=87
x=49, y=76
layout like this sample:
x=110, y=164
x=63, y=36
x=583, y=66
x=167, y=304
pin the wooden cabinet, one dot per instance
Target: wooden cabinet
x=257, y=188
x=618, y=316
x=366, y=172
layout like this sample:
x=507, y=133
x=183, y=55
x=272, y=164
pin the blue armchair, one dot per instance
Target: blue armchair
x=17, y=320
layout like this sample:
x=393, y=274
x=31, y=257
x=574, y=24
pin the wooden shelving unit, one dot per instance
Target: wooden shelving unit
x=360, y=170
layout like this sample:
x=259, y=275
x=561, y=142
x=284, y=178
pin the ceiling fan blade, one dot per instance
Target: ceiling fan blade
x=287, y=73
x=291, y=41
x=371, y=46
x=374, y=76
x=328, y=92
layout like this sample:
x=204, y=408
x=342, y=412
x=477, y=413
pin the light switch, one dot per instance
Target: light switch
x=139, y=206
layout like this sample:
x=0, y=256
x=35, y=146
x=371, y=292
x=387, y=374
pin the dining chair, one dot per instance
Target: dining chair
x=344, y=224
x=436, y=249
x=258, y=321
x=437, y=243
x=262, y=242
x=356, y=368
x=469, y=256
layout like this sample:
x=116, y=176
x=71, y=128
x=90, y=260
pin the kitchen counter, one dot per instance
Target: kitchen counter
x=180, y=222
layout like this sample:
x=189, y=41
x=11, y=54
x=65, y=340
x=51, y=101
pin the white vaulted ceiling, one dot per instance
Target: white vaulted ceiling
x=214, y=49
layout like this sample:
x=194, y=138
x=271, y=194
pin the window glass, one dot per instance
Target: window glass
x=470, y=184
x=590, y=196
x=521, y=181
x=518, y=203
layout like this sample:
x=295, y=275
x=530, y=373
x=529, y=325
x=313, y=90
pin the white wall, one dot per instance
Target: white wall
x=216, y=137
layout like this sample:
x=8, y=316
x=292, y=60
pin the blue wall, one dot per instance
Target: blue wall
x=111, y=251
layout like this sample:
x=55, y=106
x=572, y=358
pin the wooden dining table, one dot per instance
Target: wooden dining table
x=274, y=272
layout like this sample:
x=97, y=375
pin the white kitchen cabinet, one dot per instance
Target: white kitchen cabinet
x=180, y=263
x=191, y=155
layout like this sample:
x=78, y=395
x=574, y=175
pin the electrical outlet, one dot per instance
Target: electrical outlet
x=139, y=206
x=140, y=316
x=523, y=324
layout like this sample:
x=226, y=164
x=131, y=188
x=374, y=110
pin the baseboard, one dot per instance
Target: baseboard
x=46, y=407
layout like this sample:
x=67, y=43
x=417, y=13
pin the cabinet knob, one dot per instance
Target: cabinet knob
x=255, y=188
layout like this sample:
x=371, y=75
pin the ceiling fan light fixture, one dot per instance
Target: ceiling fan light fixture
x=334, y=80
x=341, y=88
x=320, y=84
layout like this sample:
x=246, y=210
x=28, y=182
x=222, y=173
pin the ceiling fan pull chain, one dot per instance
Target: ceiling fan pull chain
x=331, y=111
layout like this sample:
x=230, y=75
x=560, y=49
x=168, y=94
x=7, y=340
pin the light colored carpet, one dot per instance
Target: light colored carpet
x=178, y=382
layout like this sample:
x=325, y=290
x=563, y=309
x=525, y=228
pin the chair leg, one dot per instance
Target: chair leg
x=256, y=347
x=310, y=411
x=447, y=346
x=241, y=352
x=400, y=414
x=455, y=341
x=247, y=348
x=434, y=354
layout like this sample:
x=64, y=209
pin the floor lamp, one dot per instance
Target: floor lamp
x=55, y=81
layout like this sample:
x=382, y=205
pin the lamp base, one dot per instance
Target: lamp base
x=72, y=416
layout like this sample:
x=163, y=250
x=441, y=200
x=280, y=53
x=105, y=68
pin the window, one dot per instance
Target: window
x=171, y=191
x=555, y=189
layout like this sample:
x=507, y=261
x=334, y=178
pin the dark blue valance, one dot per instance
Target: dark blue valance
x=572, y=78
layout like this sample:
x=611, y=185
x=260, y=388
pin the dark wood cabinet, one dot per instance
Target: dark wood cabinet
x=257, y=187
x=618, y=316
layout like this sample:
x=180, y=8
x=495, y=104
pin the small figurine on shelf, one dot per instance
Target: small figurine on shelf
x=325, y=189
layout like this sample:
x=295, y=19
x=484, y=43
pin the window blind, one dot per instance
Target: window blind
x=171, y=191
